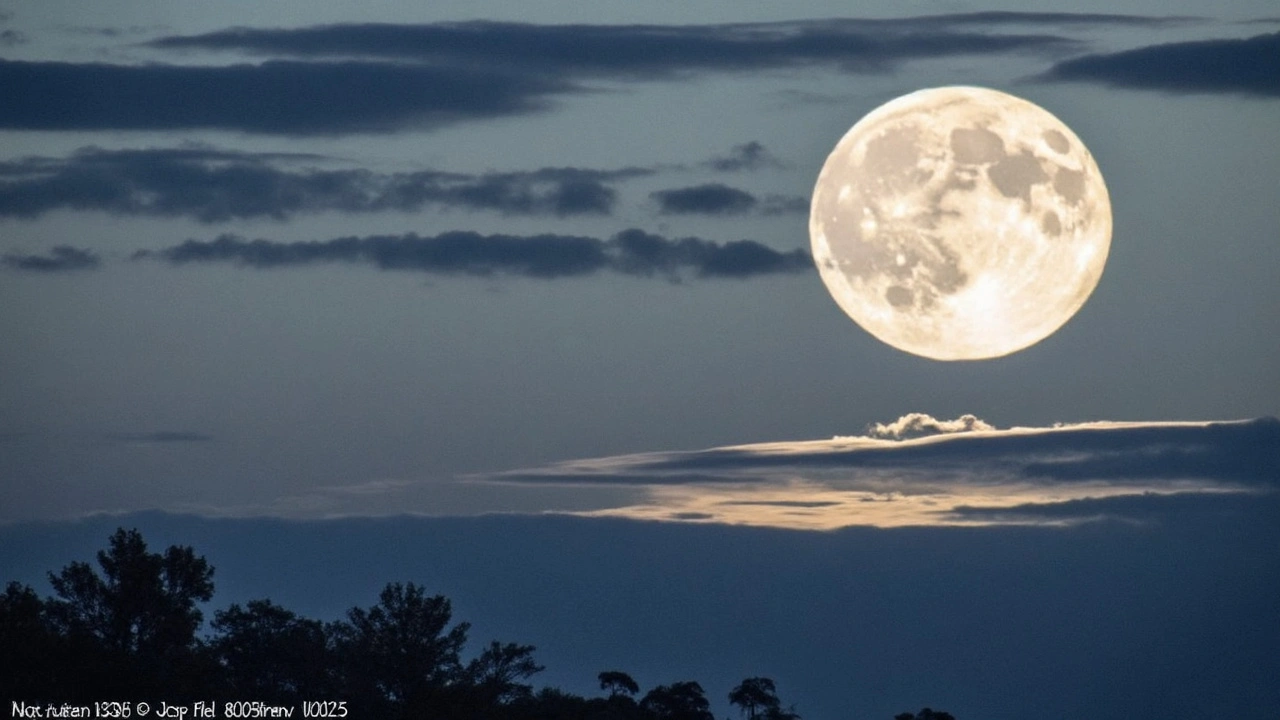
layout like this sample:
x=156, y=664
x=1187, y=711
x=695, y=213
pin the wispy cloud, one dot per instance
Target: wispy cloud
x=212, y=185
x=631, y=252
x=747, y=156
x=62, y=258
x=648, y=51
x=1248, y=66
x=960, y=471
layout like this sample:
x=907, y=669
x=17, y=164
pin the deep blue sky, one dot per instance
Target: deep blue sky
x=293, y=261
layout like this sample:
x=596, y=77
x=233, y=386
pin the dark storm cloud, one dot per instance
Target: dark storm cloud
x=9, y=38
x=631, y=252
x=1249, y=66
x=748, y=156
x=215, y=186
x=60, y=259
x=721, y=199
x=283, y=97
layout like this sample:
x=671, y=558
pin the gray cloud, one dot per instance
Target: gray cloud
x=60, y=259
x=1250, y=66
x=631, y=252
x=709, y=199
x=721, y=199
x=647, y=51
x=383, y=78
x=747, y=156
x=278, y=97
x=213, y=185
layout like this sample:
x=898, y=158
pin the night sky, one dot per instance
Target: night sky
x=441, y=276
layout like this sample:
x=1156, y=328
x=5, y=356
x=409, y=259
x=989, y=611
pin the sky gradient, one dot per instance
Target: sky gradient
x=275, y=264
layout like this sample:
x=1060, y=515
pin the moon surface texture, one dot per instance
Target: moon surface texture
x=960, y=223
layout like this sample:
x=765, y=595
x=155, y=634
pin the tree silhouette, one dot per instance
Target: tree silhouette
x=400, y=654
x=134, y=626
x=29, y=650
x=755, y=695
x=128, y=628
x=269, y=653
x=677, y=701
x=496, y=672
x=616, y=682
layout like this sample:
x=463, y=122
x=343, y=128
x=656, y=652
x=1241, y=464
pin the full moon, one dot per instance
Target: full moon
x=960, y=223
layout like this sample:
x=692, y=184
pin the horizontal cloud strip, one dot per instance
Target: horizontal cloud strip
x=964, y=472
x=285, y=97
x=61, y=259
x=216, y=185
x=631, y=51
x=1249, y=66
x=720, y=199
x=631, y=252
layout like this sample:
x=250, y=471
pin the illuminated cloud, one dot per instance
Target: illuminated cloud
x=943, y=472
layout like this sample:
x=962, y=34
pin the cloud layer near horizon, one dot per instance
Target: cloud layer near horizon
x=948, y=472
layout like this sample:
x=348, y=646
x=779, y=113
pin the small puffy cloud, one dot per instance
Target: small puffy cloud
x=62, y=258
x=631, y=252
x=914, y=425
x=1249, y=66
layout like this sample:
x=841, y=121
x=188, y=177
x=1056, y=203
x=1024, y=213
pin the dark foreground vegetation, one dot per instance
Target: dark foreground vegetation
x=131, y=630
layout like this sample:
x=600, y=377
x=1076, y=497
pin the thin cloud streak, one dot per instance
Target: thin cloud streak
x=62, y=258
x=965, y=472
x=646, y=51
x=547, y=256
x=215, y=186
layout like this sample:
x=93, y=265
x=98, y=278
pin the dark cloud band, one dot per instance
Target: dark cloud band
x=62, y=258
x=281, y=97
x=215, y=186
x=1250, y=66
x=631, y=252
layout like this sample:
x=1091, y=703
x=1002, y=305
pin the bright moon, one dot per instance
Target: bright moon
x=960, y=223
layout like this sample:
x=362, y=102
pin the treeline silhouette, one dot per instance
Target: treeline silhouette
x=132, y=630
